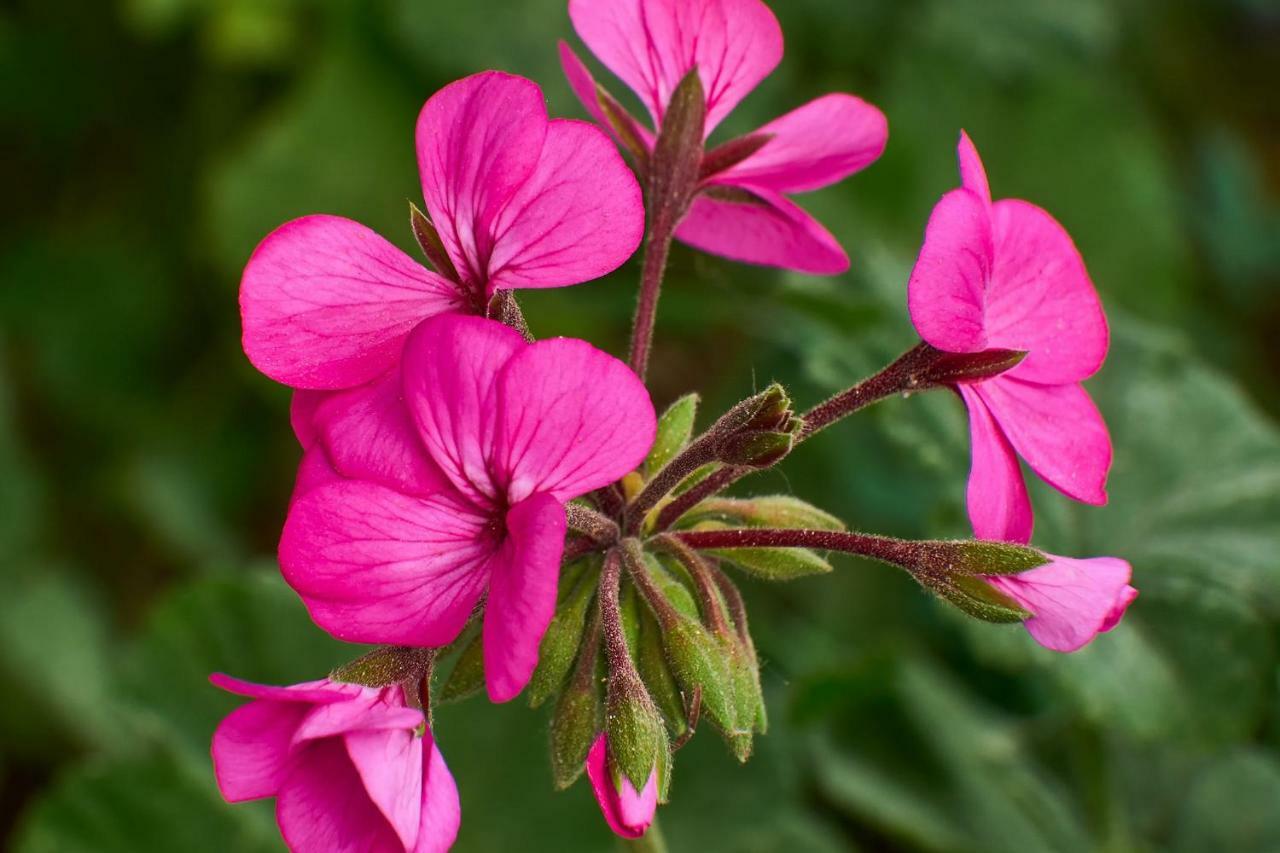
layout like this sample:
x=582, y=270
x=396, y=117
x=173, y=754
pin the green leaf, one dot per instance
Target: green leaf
x=675, y=428
x=1232, y=805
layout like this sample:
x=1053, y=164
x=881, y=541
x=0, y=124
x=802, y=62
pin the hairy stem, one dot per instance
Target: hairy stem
x=715, y=483
x=651, y=842
x=600, y=528
x=902, y=375
x=897, y=552
x=657, y=248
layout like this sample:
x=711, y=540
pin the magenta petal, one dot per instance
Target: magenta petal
x=313, y=692
x=584, y=86
x=314, y=471
x=627, y=812
x=973, y=176
x=390, y=766
x=441, y=811
x=570, y=419
x=1071, y=600
x=369, y=435
x=376, y=566
x=522, y=594
x=478, y=140
x=770, y=230
x=815, y=145
x=326, y=303
x=999, y=508
x=579, y=215
x=450, y=373
x=366, y=712
x=947, y=290
x=1040, y=298
x=302, y=410
x=1058, y=430
x=322, y=806
x=251, y=748
x=614, y=30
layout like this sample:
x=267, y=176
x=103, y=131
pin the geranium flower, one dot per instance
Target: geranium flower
x=518, y=201
x=351, y=768
x=743, y=211
x=1071, y=601
x=463, y=496
x=1006, y=275
x=627, y=811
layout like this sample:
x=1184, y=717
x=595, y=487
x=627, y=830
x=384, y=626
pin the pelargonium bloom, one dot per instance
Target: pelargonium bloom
x=459, y=492
x=518, y=201
x=627, y=811
x=1071, y=601
x=743, y=212
x=1006, y=275
x=351, y=768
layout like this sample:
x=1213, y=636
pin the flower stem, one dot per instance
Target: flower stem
x=716, y=482
x=597, y=526
x=898, y=377
x=657, y=248
x=897, y=552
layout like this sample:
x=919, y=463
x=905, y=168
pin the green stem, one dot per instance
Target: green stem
x=657, y=248
x=651, y=842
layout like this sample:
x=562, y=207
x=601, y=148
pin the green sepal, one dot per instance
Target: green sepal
x=673, y=582
x=467, y=676
x=698, y=663
x=657, y=677
x=981, y=600
x=636, y=735
x=385, y=666
x=574, y=727
x=560, y=643
x=675, y=429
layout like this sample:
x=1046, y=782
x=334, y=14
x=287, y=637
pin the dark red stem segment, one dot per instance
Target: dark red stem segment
x=700, y=572
x=716, y=482
x=898, y=552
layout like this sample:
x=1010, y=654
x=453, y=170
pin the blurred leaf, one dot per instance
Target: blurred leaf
x=152, y=803
x=1233, y=805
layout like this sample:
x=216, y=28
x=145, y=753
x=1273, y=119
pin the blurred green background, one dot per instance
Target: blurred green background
x=145, y=147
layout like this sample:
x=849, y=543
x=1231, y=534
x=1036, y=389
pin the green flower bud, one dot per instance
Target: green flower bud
x=574, y=727
x=560, y=642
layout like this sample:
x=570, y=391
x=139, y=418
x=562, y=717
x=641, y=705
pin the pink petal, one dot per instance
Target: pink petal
x=251, y=748
x=1058, y=430
x=579, y=216
x=478, y=140
x=326, y=303
x=1073, y=600
x=369, y=435
x=450, y=375
x=441, y=811
x=947, y=290
x=313, y=692
x=973, y=176
x=323, y=808
x=302, y=410
x=314, y=471
x=570, y=419
x=583, y=85
x=368, y=711
x=1040, y=298
x=627, y=811
x=522, y=594
x=390, y=766
x=999, y=508
x=822, y=142
x=375, y=566
x=651, y=45
x=769, y=229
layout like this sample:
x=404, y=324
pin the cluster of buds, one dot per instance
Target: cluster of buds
x=503, y=514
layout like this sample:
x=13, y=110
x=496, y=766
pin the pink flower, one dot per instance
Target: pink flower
x=518, y=201
x=627, y=811
x=1072, y=601
x=351, y=768
x=458, y=492
x=744, y=212
x=1006, y=275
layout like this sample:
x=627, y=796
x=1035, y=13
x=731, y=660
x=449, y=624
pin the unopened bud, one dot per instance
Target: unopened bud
x=699, y=664
x=637, y=737
x=779, y=511
x=657, y=677
x=954, y=571
x=561, y=641
x=574, y=727
x=756, y=449
x=774, y=564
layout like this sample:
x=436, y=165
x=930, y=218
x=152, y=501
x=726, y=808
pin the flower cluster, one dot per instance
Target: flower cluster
x=468, y=494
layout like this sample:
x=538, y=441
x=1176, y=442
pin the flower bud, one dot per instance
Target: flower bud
x=657, y=678
x=638, y=745
x=756, y=449
x=561, y=641
x=574, y=727
x=628, y=811
x=781, y=511
x=774, y=564
x=699, y=663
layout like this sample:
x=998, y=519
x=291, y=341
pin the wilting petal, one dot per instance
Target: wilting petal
x=946, y=292
x=323, y=808
x=822, y=142
x=326, y=303
x=759, y=226
x=478, y=140
x=1040, y=298
x=522, y=594
x=584, y=86
x=251, y=748
x=441, y=811
x=651, y=45
x=450, y=375
x=1072, y=600
x=369, y=435
x=973, y=176
x=627, y=811
x=999, y=508
x=389, y=763
x=579, y=215
x=1058, y=430
x=376, y=566
x=570, y=419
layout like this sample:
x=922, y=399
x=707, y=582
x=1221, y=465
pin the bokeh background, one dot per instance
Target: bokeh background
x=147, y=145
